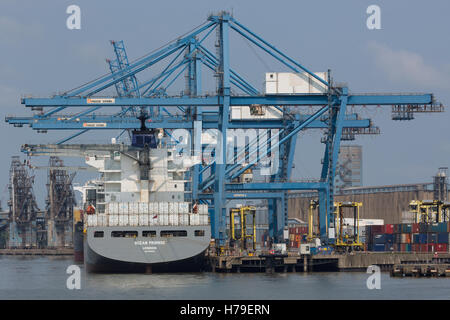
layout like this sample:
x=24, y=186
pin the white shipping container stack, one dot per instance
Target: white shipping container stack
x=92, y=220
x=152, y=219
x=183, y=207
x=143, y=219
x=184, y=219
x=143, y=207
x=133, y=208
x=163, y=207
x=203, y=219
x=194, y=219
x=113, y=220
x=123, y=220
x=133, y=220
x=151, y=208
x=123, y=208
x=173, y=219
x=203, y=209
x=112, y=208
x=173, y=207
x=102, y=220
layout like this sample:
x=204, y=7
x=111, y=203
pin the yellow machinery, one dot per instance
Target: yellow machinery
x=344, y=241
x=313, y=205
x=430, y=211
x=239, y=228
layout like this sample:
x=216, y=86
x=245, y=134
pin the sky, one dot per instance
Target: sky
x=41, y=56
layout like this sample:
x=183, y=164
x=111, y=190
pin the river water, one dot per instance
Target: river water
x=46, y=277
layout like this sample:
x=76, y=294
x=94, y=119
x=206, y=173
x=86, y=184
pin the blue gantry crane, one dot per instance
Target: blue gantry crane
x=146, y=105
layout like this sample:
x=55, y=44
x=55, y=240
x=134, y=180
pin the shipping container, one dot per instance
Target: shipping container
x=133, y=207
x=377, y=229
x=123, y=208
x=183, y=207
x=152, y=208
x=173, y=218
x=123, y=220
x=184, y=219
x=389, y=228
x=423, y=238
x=441, y=247
x=378, y=247
x=379, y=239
x=102, y=220
x=163, y=208
x=152, y=219
x=92, y=220
x=113, y=220
x=143, y=207
x=415, y=228
x=406, y=228
x=423, y=227
x=438, y=227
x=432, y=238
x=389, y=238
x=143, y=219
x=172, y=207
x=389, y=247
x=443, y=237
x=133, y=219
x=203, y=209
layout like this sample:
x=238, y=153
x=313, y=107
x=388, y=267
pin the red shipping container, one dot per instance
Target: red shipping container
x=304, y=230
x=423, y=248
x=403, y=247
x=415, y=228
x=415, y=247
x=441, y=247
x=377, y=229
x=389, y=228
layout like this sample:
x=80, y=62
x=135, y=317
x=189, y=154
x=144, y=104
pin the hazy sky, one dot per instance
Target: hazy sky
x=40, y=56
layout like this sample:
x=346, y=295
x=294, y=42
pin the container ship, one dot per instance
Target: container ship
x=136, y=217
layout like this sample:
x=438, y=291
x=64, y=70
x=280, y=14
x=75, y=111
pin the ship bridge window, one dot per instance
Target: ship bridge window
x=149, y=234
x=124, y=234
x=173, y=233
x=98, y=234
x=199, y=233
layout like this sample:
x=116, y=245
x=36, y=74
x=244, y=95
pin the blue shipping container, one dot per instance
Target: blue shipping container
x=432, y=238
x=378, y=247
x=388, y=238
x=422, y=238
x=379, y=239
x=442, y=237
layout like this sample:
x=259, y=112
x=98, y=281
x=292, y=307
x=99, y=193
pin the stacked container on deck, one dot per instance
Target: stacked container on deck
x=149, y=214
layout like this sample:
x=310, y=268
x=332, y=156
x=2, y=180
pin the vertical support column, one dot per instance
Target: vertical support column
x=273, y=219
x=218, y=226
x=195, y=89
x=340, y=117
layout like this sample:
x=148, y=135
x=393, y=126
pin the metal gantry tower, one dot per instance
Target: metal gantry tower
x=60, y=203
x=218, y=180
x=22, y=206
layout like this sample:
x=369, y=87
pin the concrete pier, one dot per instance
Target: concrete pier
x=358, y=261
x=37, y=252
